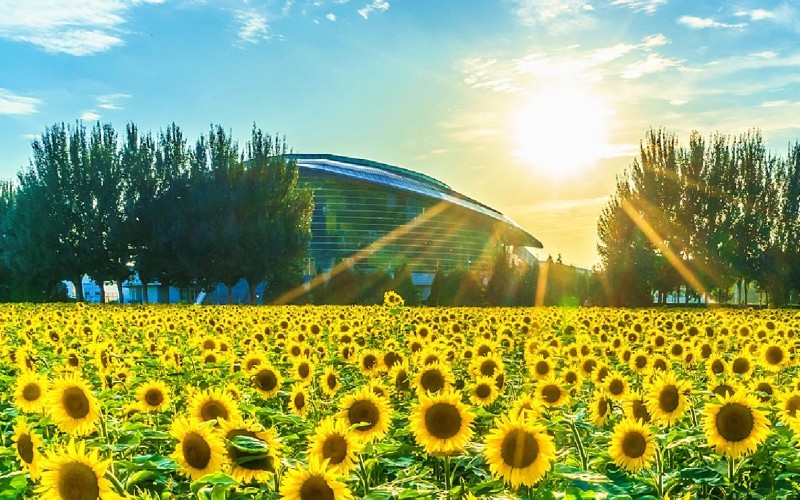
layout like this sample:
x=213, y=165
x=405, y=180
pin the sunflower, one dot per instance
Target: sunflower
x=735, y=426
x=370, y=413
x=487, y=366
x=433, y=378
x=764, y=389
x=29, y=392
x=267, y=380
x=525, y=407
x=723, y=388
x=257, y=457
x=332, y=441
x=716, y=366
x=303, y=369
x=632, y=446
x=317, y=481
x=200, y=450
x=551, y=393
x=72, y=406
x=72, y=361
x=616, y=386
x=484, y=391
x=789, y=409
x=70, y=473
x=330, y=381
x=639, y=362
x=741, y=365
x=253, y=361
x=441, y=423
x=153, y=396
x=212, y=404
x=399, y=377
x=299, y=399
x=541, y=368
x=27, y=444
x=519, y=451
x=370, y=362
x=666, y=398
x=774, y=357
x=600, y=408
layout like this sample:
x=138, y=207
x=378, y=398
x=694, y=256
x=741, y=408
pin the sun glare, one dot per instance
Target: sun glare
x=561, y=132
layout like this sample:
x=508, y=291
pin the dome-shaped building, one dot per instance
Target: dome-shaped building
x=379, y=216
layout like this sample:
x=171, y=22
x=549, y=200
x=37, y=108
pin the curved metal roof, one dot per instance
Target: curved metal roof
x=413, y=182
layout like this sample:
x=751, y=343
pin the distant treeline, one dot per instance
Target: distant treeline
x=92, y=203
x=710, y=218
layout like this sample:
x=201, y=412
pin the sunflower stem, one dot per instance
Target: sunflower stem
x=731, y=474
x=579, y=444
x=115, y=482
x=364, y=474
x=447, y=478
x=659, y=481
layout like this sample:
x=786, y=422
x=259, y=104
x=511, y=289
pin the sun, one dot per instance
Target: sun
x=562, y=132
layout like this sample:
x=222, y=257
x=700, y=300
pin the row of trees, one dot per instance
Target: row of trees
x=92, y=203
x=716, y=216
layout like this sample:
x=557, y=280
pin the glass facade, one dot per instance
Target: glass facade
x=382, y=217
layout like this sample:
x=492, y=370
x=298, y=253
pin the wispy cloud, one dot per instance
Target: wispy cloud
x=14, y=104
x=75, y=27
x=90, y=116
x=330, y=16
x=755, y=15
x=253, y=26
x=652, y=41
x=571, y=14
x=111, y=101
x=654, y=63
x=697, y=23
x=648, y=6
x=375, y=6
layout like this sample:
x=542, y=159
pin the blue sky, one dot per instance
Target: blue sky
x=530, y=106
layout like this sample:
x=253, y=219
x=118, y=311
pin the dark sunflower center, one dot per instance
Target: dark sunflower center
x=640, y=361
x=571, y=377
x=766, y=389
x=443, y=420
x=331, y=381
x=253, y=363
x=75, y=402
x=602, y=373
x=717, y=367
x=316, y=488
x=589, y=365
x=519, y=449
x=303, y=370
x=208, y=345
x=602, y=407
x=774, y=355
x=735, y=422
x=213, y=409
x=488, y=367
x=668, y=399
x=634, y=444
x=616, y=387
x=196, y=451
x=484, y=350
x=483, y=391
x=432, y=380
x=25, y=448
x=542, y=368
x=792, y=405
x=73, y=360
x=363, y=412
x=77, y=481
x=723, y=390
x=741, y=365
x=370, y=361
x=401, y=381
x=32, y=392
x=154, y=397
x=660, y=364
x=265, y=380
x=640, y=411
x=391, y=358
x=334, y=448
x=211, y=358
x=299, y=400
x=551, y=393
x=251, y=461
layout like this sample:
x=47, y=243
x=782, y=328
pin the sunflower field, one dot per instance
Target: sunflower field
x=339, y=402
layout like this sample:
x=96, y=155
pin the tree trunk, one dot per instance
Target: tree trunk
x=78, y=289
x=121, y=298
x=230, y=293
x=252, y=291
x=744, y=287
x=145, y=290
x=101, y=284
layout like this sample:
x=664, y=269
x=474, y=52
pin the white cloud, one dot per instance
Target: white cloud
x=375, y=6
x=90, y=116
x=678, y=102
x=648, y=6
x=556, y=16
x=75, y=27
x=655, y=41
x=111, y=101
x=330, y=16
x=775, y=104
x=755, y=15
x=695, y=22
x=13, y=104
x=654, y=63
x=253, y=26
